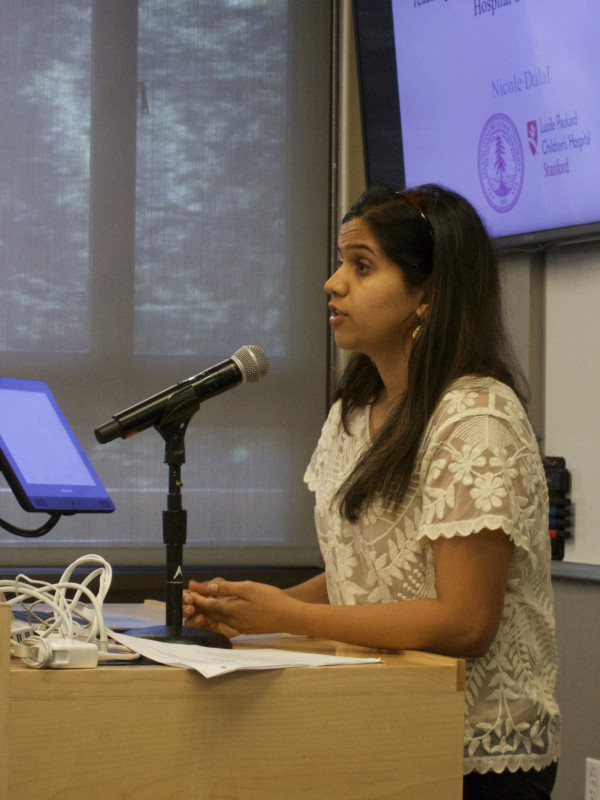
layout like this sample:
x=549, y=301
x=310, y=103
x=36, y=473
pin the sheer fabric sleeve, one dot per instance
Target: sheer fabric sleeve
x=481, y=469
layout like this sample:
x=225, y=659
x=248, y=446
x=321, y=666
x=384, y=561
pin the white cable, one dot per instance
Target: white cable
x=64, y=638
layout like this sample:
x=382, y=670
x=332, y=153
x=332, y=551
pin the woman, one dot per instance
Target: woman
x=431, y=500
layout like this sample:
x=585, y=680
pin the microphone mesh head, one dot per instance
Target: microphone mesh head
x=253, y=362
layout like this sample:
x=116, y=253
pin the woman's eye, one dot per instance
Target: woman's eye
x=362, y=267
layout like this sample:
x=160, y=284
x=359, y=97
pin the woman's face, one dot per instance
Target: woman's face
x=372, y=309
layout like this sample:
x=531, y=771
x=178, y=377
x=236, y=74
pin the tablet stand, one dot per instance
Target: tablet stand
x=172, y=428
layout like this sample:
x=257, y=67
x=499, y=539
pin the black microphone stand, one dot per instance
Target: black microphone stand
x=179, y=410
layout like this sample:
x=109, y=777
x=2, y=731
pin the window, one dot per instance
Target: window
x=165, y=201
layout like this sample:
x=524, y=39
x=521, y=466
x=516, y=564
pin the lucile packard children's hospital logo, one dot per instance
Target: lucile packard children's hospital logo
x=500, y=161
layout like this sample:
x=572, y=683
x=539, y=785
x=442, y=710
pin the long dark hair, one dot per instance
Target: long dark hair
x=433, y=234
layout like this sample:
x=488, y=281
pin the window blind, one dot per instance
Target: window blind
x=165, y=177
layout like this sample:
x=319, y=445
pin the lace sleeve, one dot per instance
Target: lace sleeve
x=482, y=470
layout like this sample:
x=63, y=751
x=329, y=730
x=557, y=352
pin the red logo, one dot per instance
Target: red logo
x=532, y=136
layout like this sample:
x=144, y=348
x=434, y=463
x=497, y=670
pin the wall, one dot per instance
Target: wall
x=577, y=605
x=572, y=428
x=550, y=303
x=572, y=384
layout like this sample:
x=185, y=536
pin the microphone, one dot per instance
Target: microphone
x=247, y=365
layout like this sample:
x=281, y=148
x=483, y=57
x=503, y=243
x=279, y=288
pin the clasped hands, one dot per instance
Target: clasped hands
x=238, y=607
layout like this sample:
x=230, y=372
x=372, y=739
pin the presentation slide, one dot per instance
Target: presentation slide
x=499, y=101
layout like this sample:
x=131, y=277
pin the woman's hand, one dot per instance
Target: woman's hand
x=239, y=607
x=194, y=618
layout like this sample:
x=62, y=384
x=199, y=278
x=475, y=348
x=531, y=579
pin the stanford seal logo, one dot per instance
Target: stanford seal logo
x=500, y=161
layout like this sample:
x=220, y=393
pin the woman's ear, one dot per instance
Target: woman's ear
x=424, y=306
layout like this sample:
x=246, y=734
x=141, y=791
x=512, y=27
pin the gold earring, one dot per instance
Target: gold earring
x=417, y=331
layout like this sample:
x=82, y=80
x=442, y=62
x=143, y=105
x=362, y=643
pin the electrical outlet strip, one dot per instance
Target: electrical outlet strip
x=19, y=631
x=592, y=779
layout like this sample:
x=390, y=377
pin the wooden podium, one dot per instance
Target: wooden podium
x=389, y=730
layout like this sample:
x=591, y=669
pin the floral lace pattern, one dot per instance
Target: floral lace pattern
x=478, y=468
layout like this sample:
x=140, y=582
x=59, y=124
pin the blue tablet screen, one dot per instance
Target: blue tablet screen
x=42, y=460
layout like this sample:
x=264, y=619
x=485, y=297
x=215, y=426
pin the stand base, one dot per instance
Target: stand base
x=161, y=633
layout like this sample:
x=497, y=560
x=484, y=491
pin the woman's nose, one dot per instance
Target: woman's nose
x=335, y=283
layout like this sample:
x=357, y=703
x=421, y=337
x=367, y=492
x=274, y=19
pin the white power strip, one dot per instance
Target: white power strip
x=592, y=779
x=19, y=631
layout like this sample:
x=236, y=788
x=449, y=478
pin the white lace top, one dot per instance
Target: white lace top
x=478, y=467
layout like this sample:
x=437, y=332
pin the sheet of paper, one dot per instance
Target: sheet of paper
x=214, y=661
